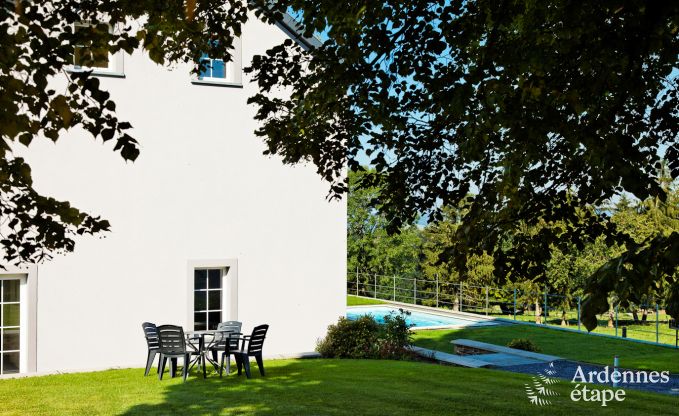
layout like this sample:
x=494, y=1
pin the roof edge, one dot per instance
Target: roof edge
x=293, y=29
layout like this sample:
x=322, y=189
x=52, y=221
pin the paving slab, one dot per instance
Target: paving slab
x=504, y=350
x=464, y=361
x=504, y=360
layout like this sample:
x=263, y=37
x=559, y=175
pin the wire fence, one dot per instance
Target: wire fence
x=648, y=323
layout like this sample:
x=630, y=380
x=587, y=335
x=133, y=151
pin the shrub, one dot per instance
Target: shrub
x=523, y=344
x=395, y=336
x=365, y=338
x=350, y=339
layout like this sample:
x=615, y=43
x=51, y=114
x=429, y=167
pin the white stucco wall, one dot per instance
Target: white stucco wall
x=201, y=189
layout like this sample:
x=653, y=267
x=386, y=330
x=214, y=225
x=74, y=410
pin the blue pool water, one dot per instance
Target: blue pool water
x=416, y=318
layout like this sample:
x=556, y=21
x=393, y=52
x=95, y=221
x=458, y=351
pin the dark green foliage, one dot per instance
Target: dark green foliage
x=523, y=344
x=544, y=110
x=38, y=43
x=351, y=339
x=395, y=336
x=365, y=338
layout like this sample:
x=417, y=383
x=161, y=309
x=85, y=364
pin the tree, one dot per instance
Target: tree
x=39, y=41
x=545, y=108
x=372, y=252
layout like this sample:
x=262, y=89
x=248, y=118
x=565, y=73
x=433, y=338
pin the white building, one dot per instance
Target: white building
x=201, y=200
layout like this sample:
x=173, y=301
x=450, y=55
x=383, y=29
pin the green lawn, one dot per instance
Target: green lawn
x=575, y=346
x=305, y=387
x=357, y=301
x=640, y=331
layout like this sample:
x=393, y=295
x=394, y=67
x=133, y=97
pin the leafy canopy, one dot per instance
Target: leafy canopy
x=541, y=109
x=38, y=43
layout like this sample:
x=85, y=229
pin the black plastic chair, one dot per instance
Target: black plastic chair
x=151, y=334
x=225, y=341
x=173, y=346
x=255, y=343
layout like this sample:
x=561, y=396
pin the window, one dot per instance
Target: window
x=85, y=55
x=9, y=326
x=97, y=58
x=207, y=298
x=215, y=69
x=217, y=72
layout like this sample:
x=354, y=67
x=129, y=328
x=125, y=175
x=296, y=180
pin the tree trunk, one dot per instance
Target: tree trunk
x=635, y=316
x=564, y=319
x=610, y=319
x=644, y=315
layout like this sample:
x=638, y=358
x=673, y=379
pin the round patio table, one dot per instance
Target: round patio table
x=202, y=348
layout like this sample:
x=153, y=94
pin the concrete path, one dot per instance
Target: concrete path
x=464, y=361
x=536, y=357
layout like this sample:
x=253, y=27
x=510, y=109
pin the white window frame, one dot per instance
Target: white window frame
x=115, y=61
x=229, y=285
x=227, y=72
x=207, y=291
x=233, y=70
x=23, y=311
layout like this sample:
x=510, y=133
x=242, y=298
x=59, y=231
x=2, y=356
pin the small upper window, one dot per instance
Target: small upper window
x=213, y=69
x=87, y=55
x=218, y=72
x=95, y=57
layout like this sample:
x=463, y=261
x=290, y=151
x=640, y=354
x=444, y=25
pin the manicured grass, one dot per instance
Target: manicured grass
x=357, y=301
x=306, y=387
x=645, y=332
x=571, y=345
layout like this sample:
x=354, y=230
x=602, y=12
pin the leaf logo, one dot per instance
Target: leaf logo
x=538, y=392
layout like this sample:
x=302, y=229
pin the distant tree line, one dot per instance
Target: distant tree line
x=419, y=249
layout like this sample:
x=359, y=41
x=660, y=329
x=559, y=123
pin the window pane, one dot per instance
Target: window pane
x=10, y=291
x=10, y=362
x=199, y=321
x=206, y=71
x=213, y=319
x=10, y=339
x=10, y=315
x=218, y=69
x=88, y=55
x=200, y=279
x=215, y=278
x=199, y=301
x=215, y=300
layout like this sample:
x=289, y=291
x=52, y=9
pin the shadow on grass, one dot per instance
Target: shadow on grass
x=282, y=391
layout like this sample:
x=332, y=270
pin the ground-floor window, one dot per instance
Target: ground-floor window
x=10, y=331
x=207, y=298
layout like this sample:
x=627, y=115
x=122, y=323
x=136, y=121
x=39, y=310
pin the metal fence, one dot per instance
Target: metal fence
x=647, y=323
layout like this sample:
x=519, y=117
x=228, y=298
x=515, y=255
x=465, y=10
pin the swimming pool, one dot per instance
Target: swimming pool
x=418, y=319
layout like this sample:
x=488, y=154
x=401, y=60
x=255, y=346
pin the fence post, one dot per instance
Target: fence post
x=657, y=325
x=356, y=280
x=486, y=300
x=375, y=287
x=515, y=304
x=415, y=291
x=394, y=288
x=578, y=313
x=545, y=312
x=460, y=307
x=616, y=320
x=437, y=290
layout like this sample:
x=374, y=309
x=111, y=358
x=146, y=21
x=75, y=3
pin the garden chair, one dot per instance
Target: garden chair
x=255, y=343
x=151, y=335
x=173, y=346
x=224, y=342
